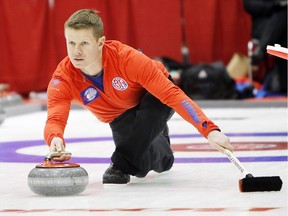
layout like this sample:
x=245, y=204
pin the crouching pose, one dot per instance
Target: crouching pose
x=123, y=87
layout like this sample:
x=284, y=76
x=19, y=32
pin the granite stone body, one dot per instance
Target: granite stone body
x=58, y=181
x=2, y=115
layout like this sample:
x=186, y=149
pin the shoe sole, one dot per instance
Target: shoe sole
x=114, y=181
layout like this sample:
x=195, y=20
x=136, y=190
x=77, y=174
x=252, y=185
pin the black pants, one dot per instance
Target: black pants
x=140, y=145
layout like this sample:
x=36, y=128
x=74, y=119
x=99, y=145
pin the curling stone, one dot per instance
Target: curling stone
x=57, y=179
x=11, y=99
x=2, y=115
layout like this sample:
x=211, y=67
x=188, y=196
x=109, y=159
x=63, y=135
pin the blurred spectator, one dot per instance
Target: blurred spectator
x=269, y=27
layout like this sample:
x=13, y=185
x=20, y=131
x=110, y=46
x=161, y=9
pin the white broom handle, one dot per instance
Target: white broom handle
x=236, y=162
x=250, y=52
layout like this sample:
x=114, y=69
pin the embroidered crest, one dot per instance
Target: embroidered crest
x=55, y=82
x=89, y=94
x=119, y=84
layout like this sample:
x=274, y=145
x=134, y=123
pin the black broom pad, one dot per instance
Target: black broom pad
x=254, y=184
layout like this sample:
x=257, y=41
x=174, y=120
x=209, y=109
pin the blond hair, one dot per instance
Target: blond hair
x=86, y=19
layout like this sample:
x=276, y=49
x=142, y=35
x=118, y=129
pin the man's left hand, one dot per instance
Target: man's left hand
x=219, y=141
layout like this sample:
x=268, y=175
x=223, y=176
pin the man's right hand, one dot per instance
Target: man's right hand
x=57, y=145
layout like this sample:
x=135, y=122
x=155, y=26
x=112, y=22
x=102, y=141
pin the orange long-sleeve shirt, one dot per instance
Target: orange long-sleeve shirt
x=127, y=75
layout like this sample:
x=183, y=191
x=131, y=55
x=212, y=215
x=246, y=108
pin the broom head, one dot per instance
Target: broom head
x=254, y=184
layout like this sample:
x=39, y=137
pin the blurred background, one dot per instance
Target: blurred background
x=182, y=33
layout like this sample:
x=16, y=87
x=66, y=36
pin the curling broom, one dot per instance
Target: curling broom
x=278, y=51
x=251, y=183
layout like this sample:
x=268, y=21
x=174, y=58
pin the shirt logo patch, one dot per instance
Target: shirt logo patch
x=119, y=84
x=89, y=94
x=55, y=82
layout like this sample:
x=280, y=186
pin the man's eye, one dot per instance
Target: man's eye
x=84, y=43
x=71, y=43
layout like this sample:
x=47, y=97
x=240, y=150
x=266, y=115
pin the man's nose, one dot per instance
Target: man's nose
x=77, y=51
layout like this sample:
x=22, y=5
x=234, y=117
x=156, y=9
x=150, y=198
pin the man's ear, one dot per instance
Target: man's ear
x=101, y=41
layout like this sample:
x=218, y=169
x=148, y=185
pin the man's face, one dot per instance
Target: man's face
x=83, y=49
